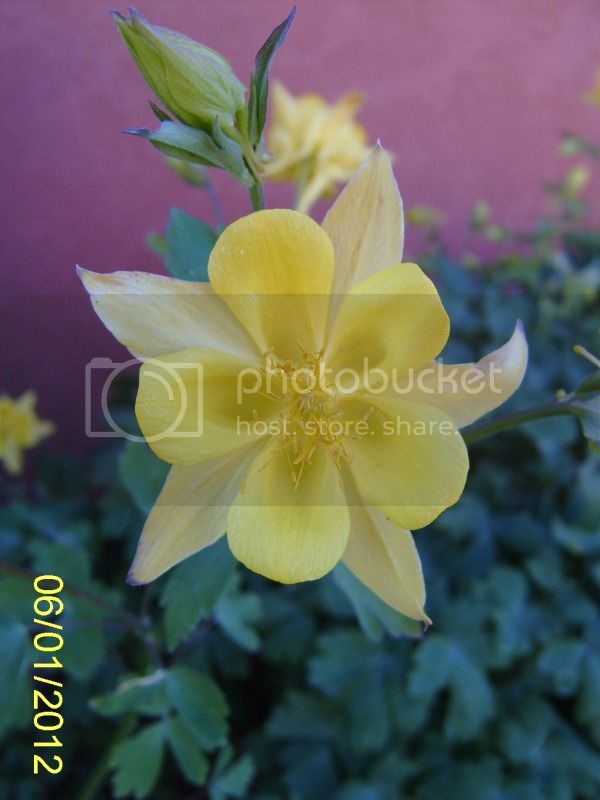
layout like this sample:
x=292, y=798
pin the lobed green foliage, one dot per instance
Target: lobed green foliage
x=214, y=677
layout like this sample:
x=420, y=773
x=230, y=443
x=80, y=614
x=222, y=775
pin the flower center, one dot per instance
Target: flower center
x=310, y=411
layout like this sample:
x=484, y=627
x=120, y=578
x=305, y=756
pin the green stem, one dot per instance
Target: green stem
x=504, y=423
x=257, y=197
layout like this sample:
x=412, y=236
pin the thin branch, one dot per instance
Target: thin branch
x=130, y=619
x=484, y=429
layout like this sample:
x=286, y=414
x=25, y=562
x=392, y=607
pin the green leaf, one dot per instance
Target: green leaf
x=561, y=661
x=143, y=694
x=72, y=564
x=288, y=630
x=83, y=636
x=190, y=758
x=361, y=675
x=193, y=589
x=442, y=664
x=237, y=613
x=523, y=735
x=16, y=599
x=376, y=618
x=311, y=773
x=201, y=705
x=305, y=716
x=575, y=540
x=137, y=762
x=142, y=474
x=157, y=244
x=17, y=658
x=588, y=701
x=259, y=84
x=84, y=644
x=189, y=243
x=231, y=778
x=503, y=595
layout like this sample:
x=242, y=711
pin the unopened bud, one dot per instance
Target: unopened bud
x=194, y=82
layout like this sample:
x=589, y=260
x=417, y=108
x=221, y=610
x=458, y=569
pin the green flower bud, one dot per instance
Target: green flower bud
x=194, y=82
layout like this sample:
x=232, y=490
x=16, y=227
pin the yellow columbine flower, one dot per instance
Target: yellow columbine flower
x=20, y=429
x=304, y=307
x=314, y=144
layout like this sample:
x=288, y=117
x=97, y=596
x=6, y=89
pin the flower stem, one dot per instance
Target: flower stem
x=484, y=429
x=257, y=197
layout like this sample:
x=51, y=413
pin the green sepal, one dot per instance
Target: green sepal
x=160, y=115
x=198, y=147
x=259, y=82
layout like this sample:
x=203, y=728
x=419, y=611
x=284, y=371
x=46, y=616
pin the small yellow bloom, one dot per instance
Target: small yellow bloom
x=593, y=96
x=20, y=429
x=575, y=182
x=424, y=217
x=302, y=464
x=314, y=144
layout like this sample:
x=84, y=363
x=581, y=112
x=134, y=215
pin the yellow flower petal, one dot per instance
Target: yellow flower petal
x=341, y=112
x=412, y=463
x=289, y=534
x=366, y=223
x=394, y=319
x=12, y=456
x=385, y=559
x=274, y=270
x=468, y=391
x=152, y=314
x=190, y=409
x=190, y=513
x=292, y=133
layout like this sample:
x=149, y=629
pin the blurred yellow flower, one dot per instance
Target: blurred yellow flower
x=20, y=429
x=575, y=182
x=317, y=457
x=314, y=144
x=593, y=96
x=424, y=216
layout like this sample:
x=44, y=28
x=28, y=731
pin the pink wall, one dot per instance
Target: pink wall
x=470, y=94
